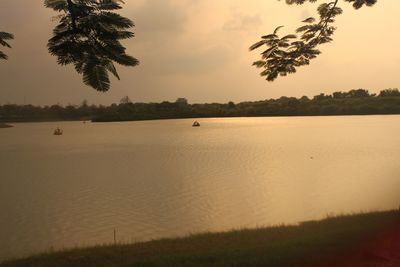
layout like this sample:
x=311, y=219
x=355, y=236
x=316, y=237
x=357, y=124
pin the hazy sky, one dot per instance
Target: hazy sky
x=198, y=49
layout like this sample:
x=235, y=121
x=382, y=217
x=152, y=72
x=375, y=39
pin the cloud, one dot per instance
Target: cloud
x=168, y=40
x=306, y=13
x=157, y=20
x=196, y=61
x=240, y=22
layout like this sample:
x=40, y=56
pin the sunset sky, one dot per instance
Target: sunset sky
x=198, y=49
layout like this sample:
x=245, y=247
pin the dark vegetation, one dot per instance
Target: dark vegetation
x=339, y=241
x=88, y=36
x=4, y=38
x=354, y=102
x=283, y=55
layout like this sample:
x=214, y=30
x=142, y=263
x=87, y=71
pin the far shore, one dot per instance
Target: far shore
x=96, y=120
x=354, y=102
x=371, y=239
x=4, y=125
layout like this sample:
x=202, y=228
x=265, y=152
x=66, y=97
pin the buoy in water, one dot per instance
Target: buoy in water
x=58, y=131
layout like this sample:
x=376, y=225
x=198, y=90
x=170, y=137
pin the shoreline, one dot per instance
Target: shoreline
x=4, y=125
x=351, y=240
x=94, y=120
x=240, y=117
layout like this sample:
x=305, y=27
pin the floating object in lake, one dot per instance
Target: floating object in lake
x=58, y=131
x=196, y=124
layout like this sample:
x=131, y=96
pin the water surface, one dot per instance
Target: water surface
x=165, y=178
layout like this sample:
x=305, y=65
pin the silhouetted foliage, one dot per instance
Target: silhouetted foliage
x=125, y=100
x=231, y=104
x=283, y=55
x=390, y=93
x=354, y=102
x=4, y=37
x=88, y=36
x=182, y=102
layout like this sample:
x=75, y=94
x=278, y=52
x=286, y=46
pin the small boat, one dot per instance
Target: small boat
x=58, y=131
x=196, y=124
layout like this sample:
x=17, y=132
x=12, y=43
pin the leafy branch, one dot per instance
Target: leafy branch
x=4, y=37
x=285, y=54
x=89, y=37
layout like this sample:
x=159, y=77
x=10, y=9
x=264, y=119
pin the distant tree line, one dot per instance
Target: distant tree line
x=354, y=102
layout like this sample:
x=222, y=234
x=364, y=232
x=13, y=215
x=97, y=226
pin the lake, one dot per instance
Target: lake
x=158, y=179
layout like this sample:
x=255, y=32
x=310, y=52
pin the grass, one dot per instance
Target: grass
x=336, y=241
x=3, y=125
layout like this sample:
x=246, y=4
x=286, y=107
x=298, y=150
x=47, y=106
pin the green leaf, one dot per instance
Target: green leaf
x=111, y=68
x=3, y=37
x=257, y=45
x=96, y=76
x=89, y=36
x=3, y=56
x=309, y=20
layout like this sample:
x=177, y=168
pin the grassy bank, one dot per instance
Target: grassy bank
x=357, y=240
x=3, y=125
